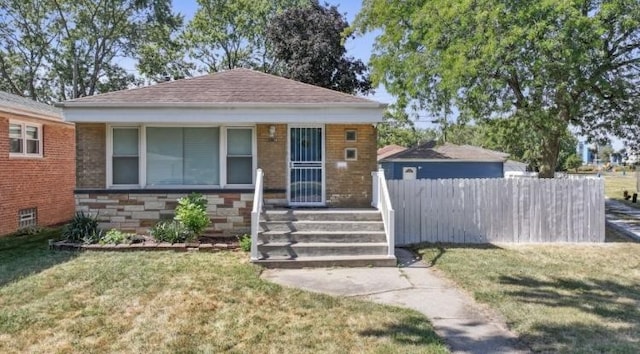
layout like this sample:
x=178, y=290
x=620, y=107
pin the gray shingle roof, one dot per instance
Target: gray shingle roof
x=226, y=87
x=11, y=101
x=431, y=151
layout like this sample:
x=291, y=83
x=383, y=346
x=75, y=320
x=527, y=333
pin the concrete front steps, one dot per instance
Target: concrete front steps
x=296, y=238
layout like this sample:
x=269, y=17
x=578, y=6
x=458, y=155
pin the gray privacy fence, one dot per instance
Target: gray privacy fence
x=498, y=210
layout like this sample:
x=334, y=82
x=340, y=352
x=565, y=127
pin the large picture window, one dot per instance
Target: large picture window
x=172, y=156
x=183, y=156
x=25, y=139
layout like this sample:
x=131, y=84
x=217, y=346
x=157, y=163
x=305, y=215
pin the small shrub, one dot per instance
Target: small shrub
x=245, y=242
x=171, y=231
x=116, y=237
x=82, y=228
x=192, y=213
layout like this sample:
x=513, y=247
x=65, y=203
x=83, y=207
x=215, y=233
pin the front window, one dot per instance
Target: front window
x=182, y=156
x=239, y=156
x=25, y=139
x=125, y=158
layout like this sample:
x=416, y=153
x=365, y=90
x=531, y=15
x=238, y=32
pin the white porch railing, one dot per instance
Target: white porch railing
x=382, y=201
x=255, y=213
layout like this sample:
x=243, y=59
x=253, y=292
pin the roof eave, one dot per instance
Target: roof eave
x=437, y=160
x=372, y=105
x=32, y=113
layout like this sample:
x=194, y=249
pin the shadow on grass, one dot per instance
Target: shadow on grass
x=24, y=255
x=439, y=249
x=613, y=302
x=414, y=330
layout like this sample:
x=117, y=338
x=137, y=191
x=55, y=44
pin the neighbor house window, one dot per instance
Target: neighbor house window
x=25, y=139
x=125, y=157
x=239, y=156
x=183, y=156
x=27, y=217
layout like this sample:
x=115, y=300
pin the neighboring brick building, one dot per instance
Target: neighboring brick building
x=37, y=164
x=138, y=150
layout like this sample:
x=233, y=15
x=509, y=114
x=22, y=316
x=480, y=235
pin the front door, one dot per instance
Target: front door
x=306, y=166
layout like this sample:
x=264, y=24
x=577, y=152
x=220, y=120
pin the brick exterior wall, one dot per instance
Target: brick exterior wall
x=44, y=183
x=349, y=182
x=91, y=165
x=134, y=212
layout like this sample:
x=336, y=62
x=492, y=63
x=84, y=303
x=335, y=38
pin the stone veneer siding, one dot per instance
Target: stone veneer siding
x=136, y=212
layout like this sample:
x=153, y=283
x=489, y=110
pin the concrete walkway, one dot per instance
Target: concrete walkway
x=464, y=326
x=623, y=218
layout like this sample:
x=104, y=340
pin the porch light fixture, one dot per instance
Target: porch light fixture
x=272, y=133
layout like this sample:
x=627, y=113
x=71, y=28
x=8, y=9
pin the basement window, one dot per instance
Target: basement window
x=27, y=217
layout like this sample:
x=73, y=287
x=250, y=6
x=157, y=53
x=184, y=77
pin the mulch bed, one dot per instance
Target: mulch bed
x=204, y=244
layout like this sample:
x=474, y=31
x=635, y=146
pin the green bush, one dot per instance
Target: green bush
x=82, y=228
x=192, y=213
x=116, y=237
x=245, y=242
x=171, y=231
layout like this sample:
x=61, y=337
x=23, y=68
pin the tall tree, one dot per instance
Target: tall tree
x=225, y=34
x=27, y=31
x=547, y=64
x=308, y=44
x=61, y=49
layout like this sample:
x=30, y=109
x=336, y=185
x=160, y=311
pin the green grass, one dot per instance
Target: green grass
x=615, y=184
x=163, y=302
x=557, y=298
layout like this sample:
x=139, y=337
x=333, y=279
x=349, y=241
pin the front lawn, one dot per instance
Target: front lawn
x=558, y=298
x=615, y=184
x=170, y=302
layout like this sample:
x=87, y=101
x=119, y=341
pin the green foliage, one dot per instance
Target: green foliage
x=227, y=34
x=573, y=162
x=245, y=242
x=190, y=221
x=171, y=231
x=114, y=236
x=193, y=216
x=63, y=49
x=308, y=44
x=82, y=228
x=548, y=64
x=396, y=128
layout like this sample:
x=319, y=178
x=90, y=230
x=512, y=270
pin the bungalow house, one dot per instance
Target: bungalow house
x=432, y=161
x=140, y=149
x=37, y=166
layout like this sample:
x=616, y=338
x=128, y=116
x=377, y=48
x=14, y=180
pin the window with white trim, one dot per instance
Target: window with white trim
x=239, y=156
x=25, y=139
x=181, y=156
x=125, y=156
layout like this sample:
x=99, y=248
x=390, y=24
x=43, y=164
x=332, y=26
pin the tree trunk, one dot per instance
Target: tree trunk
x=549, y=158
